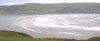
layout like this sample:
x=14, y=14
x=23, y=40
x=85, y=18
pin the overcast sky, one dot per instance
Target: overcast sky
x=10, y=2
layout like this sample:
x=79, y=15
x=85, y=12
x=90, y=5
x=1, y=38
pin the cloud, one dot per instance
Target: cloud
x=10, y=2
x=66, y=1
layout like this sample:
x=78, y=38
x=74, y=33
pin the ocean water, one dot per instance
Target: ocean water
x=67, y=26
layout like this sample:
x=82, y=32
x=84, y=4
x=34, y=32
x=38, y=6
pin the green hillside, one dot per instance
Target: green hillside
x=36, y=8
x=17, y=36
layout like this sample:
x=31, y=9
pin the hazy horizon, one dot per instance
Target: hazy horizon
x=15, y=2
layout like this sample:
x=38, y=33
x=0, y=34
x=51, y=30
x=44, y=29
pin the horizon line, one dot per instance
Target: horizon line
x=45, y=3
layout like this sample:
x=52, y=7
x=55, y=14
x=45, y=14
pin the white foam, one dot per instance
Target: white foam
x=57, y=22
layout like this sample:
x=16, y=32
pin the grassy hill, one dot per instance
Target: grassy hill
x=17, y=36
x=36, y=8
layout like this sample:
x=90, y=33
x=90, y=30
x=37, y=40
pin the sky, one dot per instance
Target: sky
x=11, y=2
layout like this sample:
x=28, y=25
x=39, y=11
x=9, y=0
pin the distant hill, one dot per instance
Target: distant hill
x=36, y=8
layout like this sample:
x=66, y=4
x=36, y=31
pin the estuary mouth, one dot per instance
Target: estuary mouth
x=60, y=20
x=74, y=25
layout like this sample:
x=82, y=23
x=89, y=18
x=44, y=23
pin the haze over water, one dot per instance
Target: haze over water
x=68, y=26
